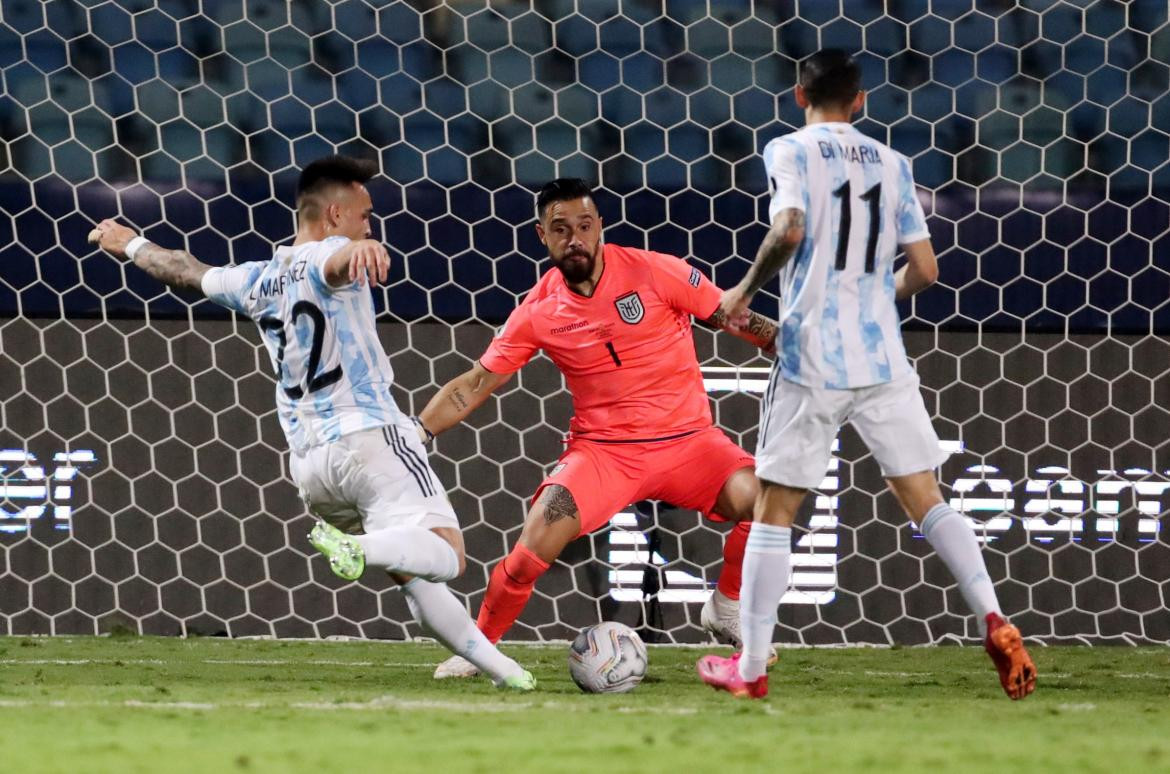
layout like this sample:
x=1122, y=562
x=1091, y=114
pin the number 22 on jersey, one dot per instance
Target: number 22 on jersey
x=310, y=379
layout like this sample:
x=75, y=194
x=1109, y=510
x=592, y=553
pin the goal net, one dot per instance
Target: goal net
x=142, y=473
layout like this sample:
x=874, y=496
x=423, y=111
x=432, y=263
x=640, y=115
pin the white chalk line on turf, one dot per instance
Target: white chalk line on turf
x=895, y=675
x=311, y=662
x=899, y=675
x=944, y=673
x=78, y=661
x=939, y=673
x=377, y=704
x=1084, y=706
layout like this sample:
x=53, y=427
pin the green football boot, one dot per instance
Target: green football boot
x=346, y=557
x=523, y=682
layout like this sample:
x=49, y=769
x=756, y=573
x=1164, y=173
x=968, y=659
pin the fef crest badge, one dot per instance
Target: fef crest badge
x=630, y=308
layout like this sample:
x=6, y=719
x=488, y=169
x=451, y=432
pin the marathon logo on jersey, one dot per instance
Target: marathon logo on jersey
x=695, y=279
x=569, y=328
x=630, y=308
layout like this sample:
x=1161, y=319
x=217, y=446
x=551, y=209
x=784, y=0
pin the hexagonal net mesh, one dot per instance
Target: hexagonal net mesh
x=143, y=480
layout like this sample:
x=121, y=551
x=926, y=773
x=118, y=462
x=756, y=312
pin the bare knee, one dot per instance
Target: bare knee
x=738, y=496
x=917, y=492
x=777, y=504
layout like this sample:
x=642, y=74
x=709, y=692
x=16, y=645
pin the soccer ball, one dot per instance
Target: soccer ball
x=607, y=658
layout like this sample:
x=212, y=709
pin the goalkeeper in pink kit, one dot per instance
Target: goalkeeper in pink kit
x=617, y=323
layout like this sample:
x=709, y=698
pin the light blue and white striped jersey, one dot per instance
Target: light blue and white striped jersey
x=839, y=327
x=333, y=377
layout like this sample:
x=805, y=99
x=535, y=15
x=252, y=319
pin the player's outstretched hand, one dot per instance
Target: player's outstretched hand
x=369, y=261
x=734, y=304
x=112, y=237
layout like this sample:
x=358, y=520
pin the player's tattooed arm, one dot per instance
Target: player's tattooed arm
x=558, y=504
x=779, y=244
x=757, y=329
x=176, y=268
x=456, y=399
x=781, y=241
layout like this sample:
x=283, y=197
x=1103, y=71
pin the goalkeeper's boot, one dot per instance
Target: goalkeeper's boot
x=346, y=557
x=456, y=666
x=720, y=616
x=722, y=674
x=1017, y=673
x=522, y=683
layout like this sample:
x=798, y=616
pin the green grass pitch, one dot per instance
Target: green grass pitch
x=128, y=704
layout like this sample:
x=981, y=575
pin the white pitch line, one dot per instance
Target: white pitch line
x=426, y=665
x=1077, y=707
x=391, y=703
x=378, y=704
x=941, y=673
x=187, y=705
x=293, y=662
x=875, y=673
x=80, y=661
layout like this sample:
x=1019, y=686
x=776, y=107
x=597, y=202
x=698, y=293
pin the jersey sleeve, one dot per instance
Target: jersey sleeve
x=229, y=286
x=910, y=219
x=786, y=164
x=683, y=286
x=514, y=345
x=316, y=268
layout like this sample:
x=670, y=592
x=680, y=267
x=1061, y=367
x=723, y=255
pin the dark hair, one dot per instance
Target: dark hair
x=562, y=189
x=830, y=77
x=323, y=173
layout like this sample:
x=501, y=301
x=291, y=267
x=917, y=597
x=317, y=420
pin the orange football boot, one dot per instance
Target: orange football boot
x=1017, y=673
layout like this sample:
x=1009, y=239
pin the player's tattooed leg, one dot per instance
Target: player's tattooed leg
x=558, y=504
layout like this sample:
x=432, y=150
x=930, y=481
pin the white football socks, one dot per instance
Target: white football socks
x=954, y=541
x=440, y=613
x=411, y=551
x=765, y=578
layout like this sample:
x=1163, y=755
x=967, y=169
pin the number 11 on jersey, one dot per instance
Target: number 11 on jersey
x=873, y=197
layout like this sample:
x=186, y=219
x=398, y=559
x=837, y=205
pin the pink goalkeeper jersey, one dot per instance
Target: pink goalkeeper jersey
x=626, y=352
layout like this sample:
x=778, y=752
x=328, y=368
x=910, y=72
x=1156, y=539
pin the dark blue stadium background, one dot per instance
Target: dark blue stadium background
x=1038, y=136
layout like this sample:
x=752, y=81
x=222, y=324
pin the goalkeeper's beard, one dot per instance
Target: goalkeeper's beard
x=575, y=270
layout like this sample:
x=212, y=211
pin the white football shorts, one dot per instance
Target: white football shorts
x=799, y=424
x=371, y=480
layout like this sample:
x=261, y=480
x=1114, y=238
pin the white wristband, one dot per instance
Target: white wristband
x=135, y=245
